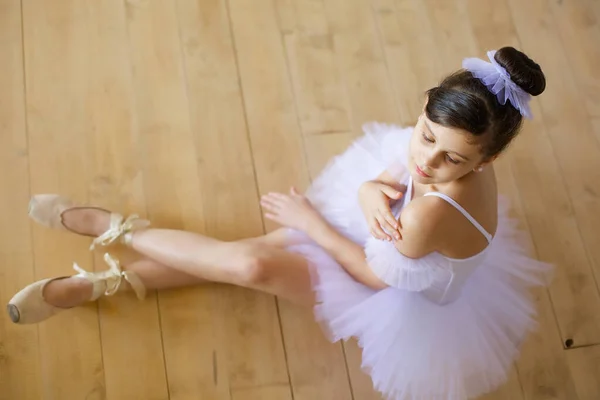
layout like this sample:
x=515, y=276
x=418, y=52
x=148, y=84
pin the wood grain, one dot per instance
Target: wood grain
x=71, y=364
x=318, y=89
x=575, y=155
x=229, y=208
x=19, y=346
x=309, y=377
x=186, y=111
x=410, y=51
x=579, y=32
x=115, y=182
x=361, y=63
x=585, y=368
x=277, y=148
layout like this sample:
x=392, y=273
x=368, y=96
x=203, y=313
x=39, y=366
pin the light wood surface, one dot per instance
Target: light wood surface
x=186, y=111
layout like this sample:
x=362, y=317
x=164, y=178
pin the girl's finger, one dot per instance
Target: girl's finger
x=378, y=232
x=389, y=217
x=272, y=217
x=386, y=225
x=275, y=197
x=390, y=224
x=280, y=196
x=391, y=192
x=270, y=204
x=295, y=192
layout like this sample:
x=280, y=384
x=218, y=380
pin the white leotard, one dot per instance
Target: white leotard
x=447, y=290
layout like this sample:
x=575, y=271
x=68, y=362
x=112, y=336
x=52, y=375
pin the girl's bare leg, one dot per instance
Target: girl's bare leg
x=249, y=264
x=74, y=291
x=257, y=263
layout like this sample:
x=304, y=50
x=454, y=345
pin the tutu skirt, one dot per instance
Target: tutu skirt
x=413, y=348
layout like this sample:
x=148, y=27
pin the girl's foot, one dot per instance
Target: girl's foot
x=43, y=299
x=67, y=292
x=60, y=213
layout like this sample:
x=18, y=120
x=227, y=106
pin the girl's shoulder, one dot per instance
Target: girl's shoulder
x=443, y=220
x=420, y=223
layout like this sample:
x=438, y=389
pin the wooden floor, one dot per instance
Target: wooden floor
x=185, y=111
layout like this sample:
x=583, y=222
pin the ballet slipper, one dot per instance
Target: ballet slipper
x=29, y=306
x=48, y=210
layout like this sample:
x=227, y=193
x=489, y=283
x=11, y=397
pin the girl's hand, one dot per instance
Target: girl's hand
x=374, y=199
x=293, y=210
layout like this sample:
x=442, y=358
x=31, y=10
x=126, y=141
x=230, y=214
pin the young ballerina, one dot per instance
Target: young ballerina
x=402, y=242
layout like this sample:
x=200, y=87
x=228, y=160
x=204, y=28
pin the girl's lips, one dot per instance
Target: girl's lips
x=423, y=174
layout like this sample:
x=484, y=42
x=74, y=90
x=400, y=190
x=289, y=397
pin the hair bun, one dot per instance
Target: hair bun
x=523, y=71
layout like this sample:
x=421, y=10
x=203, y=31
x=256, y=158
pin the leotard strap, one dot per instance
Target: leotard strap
x=464, y=212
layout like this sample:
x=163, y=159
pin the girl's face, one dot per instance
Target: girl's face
x=438, y=154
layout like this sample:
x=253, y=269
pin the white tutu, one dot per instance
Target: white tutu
x=418, y=343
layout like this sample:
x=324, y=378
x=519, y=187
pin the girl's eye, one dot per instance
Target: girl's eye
x=452, y=160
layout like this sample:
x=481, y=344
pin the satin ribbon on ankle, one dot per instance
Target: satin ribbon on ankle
x=117, y=228
x=113, y=277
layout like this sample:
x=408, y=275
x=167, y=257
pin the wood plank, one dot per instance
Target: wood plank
x=268, y=98
x=511, y=390
x=595, y=124
x=321, y=149
x=319, y=92
x=585, y=368
x=286, y=16
x=361, y=63
x=247, y=345
x=263, y=393
x=195, y=361
x=311, y=16
x=594, y=9
x=129, y=328
x=56, y=51
x=316, y=367
x=576, y=156
x=542, y=367
x=580, y=33
x=592, y=14
x=362, y=384
x=452, y=32
x=410, y=52
x=19, y=348
x=272, y=123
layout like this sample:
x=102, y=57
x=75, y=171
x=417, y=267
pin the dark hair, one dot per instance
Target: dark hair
x=462, y=101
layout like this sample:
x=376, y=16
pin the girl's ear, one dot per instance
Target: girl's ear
x=485, y=163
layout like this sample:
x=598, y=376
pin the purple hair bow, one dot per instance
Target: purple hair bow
x=498, y=81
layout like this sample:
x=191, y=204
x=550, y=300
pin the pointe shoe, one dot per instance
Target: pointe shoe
x=48, y=210
x=29, y=306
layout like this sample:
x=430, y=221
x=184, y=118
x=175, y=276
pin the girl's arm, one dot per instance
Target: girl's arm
x=375, y=197
x=348, y=254
x=419, y=238
x=295, y=211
